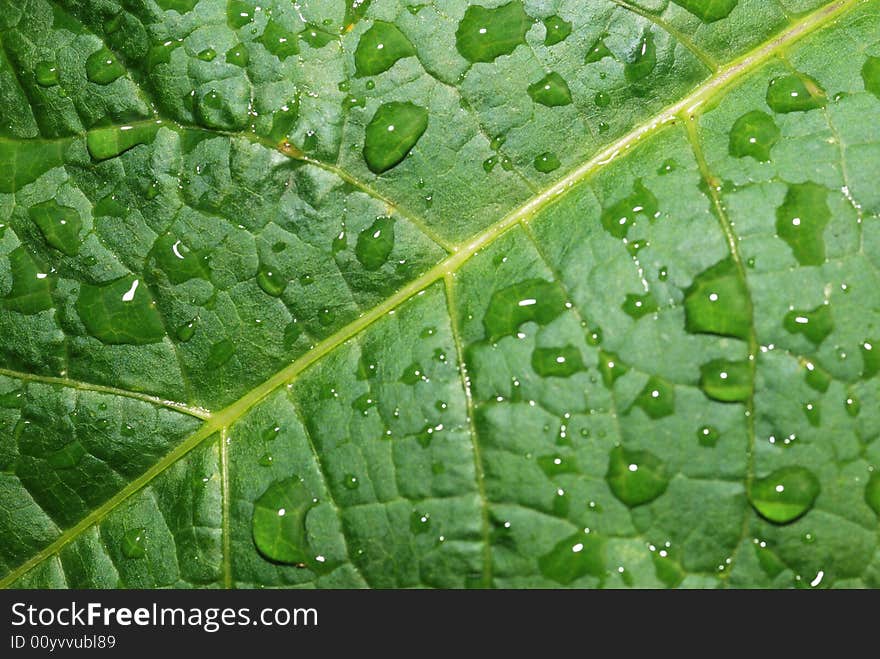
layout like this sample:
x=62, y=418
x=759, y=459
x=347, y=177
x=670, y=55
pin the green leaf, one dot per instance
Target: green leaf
x=351, y=294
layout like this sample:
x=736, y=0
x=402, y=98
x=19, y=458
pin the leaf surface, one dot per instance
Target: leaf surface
x=542, y=294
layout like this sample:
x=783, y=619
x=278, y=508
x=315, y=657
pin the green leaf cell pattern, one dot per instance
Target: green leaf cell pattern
x=483, y=293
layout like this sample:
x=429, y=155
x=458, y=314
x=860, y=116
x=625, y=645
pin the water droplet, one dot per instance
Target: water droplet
x=574, y=557
x=547, y=162
x=46, y=74
x=279, y=522
x=177, y=261
x=220, y=353
x=754, y=134
x=708, y=12
x=557, y=362
x=602, y=99
x=657, y=398
x=853, y=405
x=238, y=55
x=871, y=75
x=870, y=358
x=621, y=216
x=667, y=167
x=872, y=492
x=278, y=41
x=60, y=225
x=207, y=55
x=717, y=302
x=120, y=312
x=553, y=465
x=31, y=290
x=611, y=368
x=67, y=457
x=532, y=300
x=266, y=460
x=113, y=141
x=801, y=222
x=813, y=413
x=316, y=36
x=413, y=374
x=485, y=34
x=708, y=436
x=726, y=381
x=392, y=132
x=350, y=482
x=642, y=60
x=817, y=378
x=815, y=325
x=785, y=495
x=551, y=90
x=638, y=306
x=180, y=6
x=598, y=51
x=795, y=93
x=271, y=281
x=134, y=543
x=636, y=477
x=375, y=244
x=419, y=522
x=556, y=29
x=102, y=67
x=161, y=53
x=187, y=330
x=379, y=49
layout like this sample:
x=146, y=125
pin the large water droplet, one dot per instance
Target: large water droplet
x=870, y=358
x=801, y=222
x=557, y=362
x=621, y=216
x=177, y=261
x=871, y=75
x=872, y=492
x=557, y=30
x=708, y=11
x=577, y=556
x=60, y=225
x=657, y=398
x=642, y=60
x=532, y=300
x=112, y=141
x=611, y=368
x=271, y=281
x=67, y=457
x=238, y=55
x=375, y=244
x=597, y=52
x=708, y=436
x=279, y=522
x=551, y=90
x=46, y=74
x=547, y=162
x=754, y=134
x=795, y=93
x=392, y=132
x=31, y=290
x=639, y=306
x=726, y=381
x=816, y=325
x=120, y=312
x=379, y=49
x=718, y=302
x=785, y=495
x=102, y=67
x=278, y=40
x=636, y=477
x=485, y=34
x=134, y=543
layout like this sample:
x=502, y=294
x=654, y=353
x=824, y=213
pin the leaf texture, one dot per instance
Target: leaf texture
x=464, y=294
